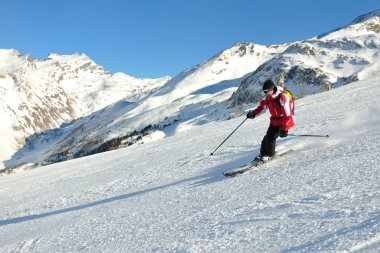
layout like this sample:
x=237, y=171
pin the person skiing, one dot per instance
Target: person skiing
x=280, y=106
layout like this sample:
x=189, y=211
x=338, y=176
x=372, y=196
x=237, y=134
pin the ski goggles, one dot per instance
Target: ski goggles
x=266, y=91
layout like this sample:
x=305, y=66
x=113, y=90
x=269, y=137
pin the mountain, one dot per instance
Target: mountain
x=318, y=64
x=188, y=98
x=29, y=102
x=94, y=88
x=170, y=195
x=220, y=88
x=36, y=95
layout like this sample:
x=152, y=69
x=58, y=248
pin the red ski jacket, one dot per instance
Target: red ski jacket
x=281, y=110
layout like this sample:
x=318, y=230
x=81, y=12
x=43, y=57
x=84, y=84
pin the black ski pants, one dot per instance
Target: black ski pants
x=268, y=144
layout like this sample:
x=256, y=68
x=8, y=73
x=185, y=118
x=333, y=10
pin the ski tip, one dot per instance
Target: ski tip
x=327, y=136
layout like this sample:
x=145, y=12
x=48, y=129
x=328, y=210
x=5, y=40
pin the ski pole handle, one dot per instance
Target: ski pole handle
x=228, y=136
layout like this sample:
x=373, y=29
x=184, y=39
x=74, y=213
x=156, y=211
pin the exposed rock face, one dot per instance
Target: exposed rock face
x=318, y=64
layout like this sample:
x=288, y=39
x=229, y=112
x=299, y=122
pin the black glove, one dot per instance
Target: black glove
x=250, y=115
x=283, y=133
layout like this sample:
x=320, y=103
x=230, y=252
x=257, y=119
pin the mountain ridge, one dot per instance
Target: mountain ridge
x=320, y=63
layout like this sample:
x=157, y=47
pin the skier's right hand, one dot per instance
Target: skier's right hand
x=283, y=133
x=250, y=115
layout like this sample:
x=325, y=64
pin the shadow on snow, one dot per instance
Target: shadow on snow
x=212, y=176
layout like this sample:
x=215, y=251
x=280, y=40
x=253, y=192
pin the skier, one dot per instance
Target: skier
x=280, y=106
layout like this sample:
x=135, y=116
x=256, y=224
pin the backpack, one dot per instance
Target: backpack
x=289, y=94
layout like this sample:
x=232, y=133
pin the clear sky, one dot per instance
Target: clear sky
x=155, y=38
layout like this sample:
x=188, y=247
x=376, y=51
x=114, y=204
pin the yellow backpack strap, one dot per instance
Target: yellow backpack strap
x=289, y=94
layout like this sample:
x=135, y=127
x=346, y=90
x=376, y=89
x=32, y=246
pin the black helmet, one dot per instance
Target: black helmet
x=268, y=85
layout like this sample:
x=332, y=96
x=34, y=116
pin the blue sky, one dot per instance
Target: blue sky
x=155, y=38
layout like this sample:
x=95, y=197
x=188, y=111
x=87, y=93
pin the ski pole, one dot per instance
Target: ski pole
x=228, y=136
x=310, y=135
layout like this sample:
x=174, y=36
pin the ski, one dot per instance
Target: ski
x=252, y=165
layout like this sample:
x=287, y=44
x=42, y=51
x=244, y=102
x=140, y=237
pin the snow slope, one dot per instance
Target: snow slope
x=169, y=195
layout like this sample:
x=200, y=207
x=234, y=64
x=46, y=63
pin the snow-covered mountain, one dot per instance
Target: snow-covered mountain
x=217, y=89
x=318, y=64
x=91, y=86
x=36, y=95
x=188, y=99
x=170, y=195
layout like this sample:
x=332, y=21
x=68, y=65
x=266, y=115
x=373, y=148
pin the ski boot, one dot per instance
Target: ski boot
x=265, y=159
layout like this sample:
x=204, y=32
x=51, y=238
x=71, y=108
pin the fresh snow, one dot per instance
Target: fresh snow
x=170, y=195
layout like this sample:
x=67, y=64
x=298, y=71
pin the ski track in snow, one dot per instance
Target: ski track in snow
x=171, y=196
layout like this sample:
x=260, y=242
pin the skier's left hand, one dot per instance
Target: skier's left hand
x=283, y=133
